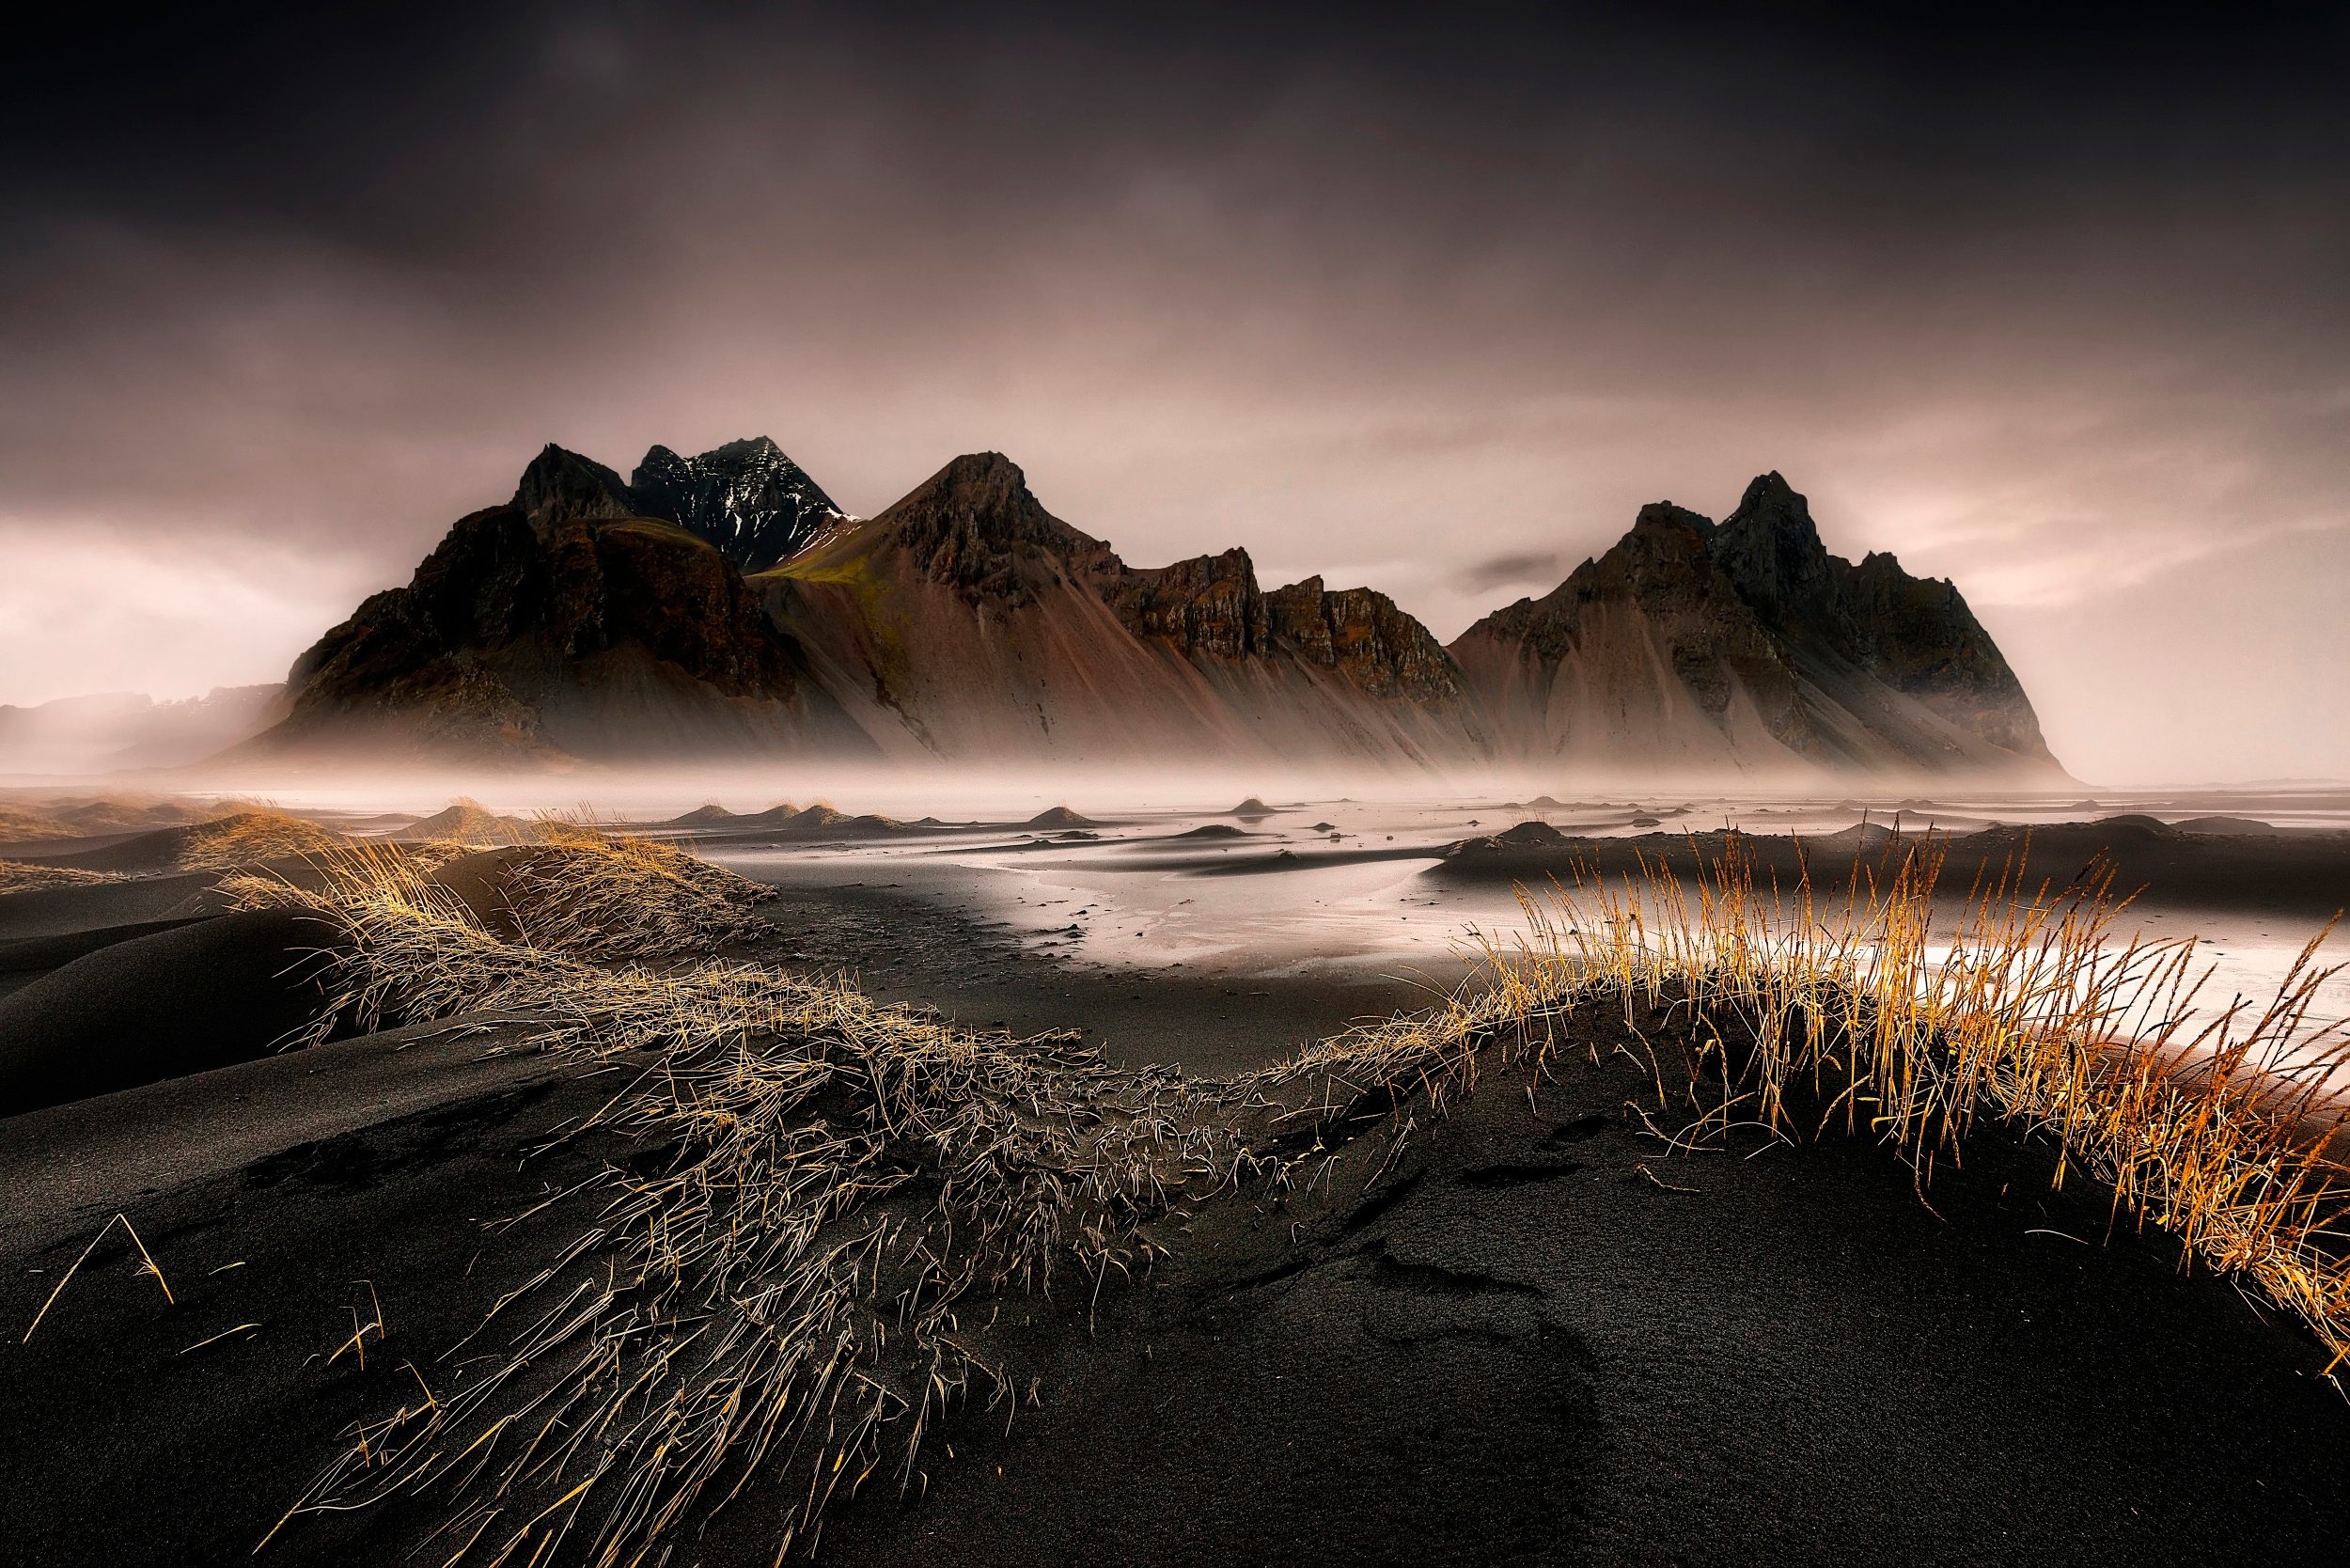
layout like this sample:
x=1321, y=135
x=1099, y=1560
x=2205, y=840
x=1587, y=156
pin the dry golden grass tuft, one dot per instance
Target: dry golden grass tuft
x=26, y=822
x=16, y=876
x=783, y=1291
x=601, y=895
x=251, y=837
x=1873, y=1008
x=576, y=891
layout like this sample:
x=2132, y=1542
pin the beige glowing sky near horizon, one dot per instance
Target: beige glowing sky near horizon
x=1441, y=333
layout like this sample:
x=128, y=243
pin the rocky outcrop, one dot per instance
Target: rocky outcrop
x=561, y=486
x=1749, y=647
x=746, y=499
x=1362, y=635
x=1210, y=608
x=1205, y=608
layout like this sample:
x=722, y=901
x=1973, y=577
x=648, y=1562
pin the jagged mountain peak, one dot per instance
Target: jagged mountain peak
x=1770, y=492
x=987, y=485
x=748, y=498
x=1771, y=549
x=1775, y=639
x=1664, y=515
x=1772, y=510
x=978, y=528
x=560, y=485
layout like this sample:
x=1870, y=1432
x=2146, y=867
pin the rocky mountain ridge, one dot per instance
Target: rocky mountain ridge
x=971, y=621
x=595, y=618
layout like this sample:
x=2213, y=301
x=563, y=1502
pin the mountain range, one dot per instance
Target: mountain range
x=124, y=731
x=722, y=605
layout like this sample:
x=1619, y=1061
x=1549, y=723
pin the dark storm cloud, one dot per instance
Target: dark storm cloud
x=2052, y=306
x=1541, y=568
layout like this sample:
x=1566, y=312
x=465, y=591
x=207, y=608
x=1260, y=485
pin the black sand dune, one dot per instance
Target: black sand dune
x=1521, y=1342
x=31, y=954
x=161, y=1006
x=142, y=854
x=1518, y=1349
x=53, y=847
x=26, y=958
x=2232, y=828
x=95, y=906
x=477, y=881
x=1514, y=1347
x=467, y=821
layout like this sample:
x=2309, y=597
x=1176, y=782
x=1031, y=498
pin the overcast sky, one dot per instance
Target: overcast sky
x=2059, y=310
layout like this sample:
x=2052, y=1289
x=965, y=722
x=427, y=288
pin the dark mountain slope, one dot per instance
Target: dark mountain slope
x=1749, y=648
x=558, y=627
x=968, y=620
x=1873, y=621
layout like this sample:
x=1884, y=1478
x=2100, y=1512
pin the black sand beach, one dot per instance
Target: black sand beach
x=1535, y=1339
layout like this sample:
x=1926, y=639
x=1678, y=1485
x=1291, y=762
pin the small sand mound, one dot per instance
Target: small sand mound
x=707, y=814
x=115, y=814
x=469, y=822
x=600, y=896
x=250, y=837
x=1526, y=835
x=2136, y=826
x=1861, y=835
x=1059, y=815
x=1251, y=808
x=1214, y=830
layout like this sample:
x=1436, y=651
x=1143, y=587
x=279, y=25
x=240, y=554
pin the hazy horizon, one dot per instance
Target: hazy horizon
x=2056, y=313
